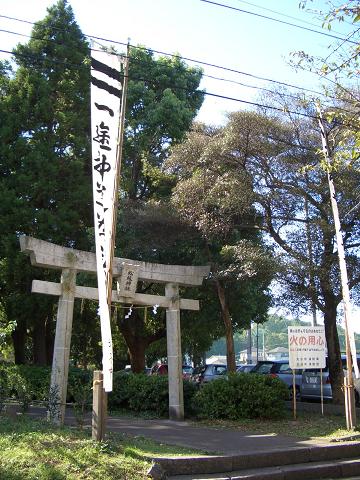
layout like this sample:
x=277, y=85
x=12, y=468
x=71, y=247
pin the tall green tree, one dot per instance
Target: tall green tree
x=45, y=186
x=163, y=99
x=272, y=163
x=216, y=197
x=292, y=197
x=338, y=72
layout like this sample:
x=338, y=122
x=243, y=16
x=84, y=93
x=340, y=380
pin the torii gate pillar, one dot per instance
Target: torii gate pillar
x=61, y=356
x=173, y=338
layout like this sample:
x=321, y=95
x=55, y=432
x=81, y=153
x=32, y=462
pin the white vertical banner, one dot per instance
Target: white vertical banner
x=106, y=94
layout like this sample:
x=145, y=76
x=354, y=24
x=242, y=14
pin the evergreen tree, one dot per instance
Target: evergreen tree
x=163, y=99
x=45, y=171
x=216, y=199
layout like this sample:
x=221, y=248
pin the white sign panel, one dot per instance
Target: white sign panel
x=307, y=347
x=128, y=280
x=106, y=92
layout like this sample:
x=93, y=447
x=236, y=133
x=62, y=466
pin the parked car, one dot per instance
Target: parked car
x=162, y=369
x=211, y=372
x=280, y=369
x=128, y=369
x=311, y=383
x=195, y=375
x=245, y=368
x=187, y=371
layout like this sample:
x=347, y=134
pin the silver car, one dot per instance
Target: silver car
x=311, y=384
x=280, y=369
x=211, y=372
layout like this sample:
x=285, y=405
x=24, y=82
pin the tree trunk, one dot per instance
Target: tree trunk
x=50, y=339
x=229, y=335
x=334, y=354
x=137, y=355
x=135, y=173
x=198, y=358
x=19, y=338
x=39, y=343
x=133, y=330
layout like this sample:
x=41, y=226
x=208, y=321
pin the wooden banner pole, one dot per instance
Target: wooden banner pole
x=99, y=405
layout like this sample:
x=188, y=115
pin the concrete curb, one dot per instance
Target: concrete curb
x=264, y=459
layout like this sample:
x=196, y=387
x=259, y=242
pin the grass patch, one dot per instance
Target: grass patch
x=35, y=450
x=307, y=425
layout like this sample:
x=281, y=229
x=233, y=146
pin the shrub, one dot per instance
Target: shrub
x=79, y=385
x=190, y=388
x=80, y=392
x=36, y=380
x=144, y=393
x=24, y=384
x=28, y=383
x=241, y=396
x=148, y=394
x=119, y=397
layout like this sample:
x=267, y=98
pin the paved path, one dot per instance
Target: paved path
x=205, y=438
x=188, y=434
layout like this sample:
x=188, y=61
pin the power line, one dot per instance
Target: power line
x=283, y=15
x=203, y=75
x=188, y=59
x=278, y=21
x=174, y=87
x=210, y=94
x=199, y=62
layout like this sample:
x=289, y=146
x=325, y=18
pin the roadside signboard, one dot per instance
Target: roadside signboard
x=307, y=347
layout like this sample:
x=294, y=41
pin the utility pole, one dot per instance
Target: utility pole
x=348, y=381
x=249, y=346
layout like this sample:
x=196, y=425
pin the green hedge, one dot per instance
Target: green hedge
x=144, y=393
x=138, y=393
x=26, y=384
x=241, y=396
x=238, y=396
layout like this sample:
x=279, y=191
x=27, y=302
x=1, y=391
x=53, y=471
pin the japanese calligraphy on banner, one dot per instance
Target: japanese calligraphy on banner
x=106, y=94
x=307, y=347
x=128, y=280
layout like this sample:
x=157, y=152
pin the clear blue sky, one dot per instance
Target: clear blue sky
x=196, y=30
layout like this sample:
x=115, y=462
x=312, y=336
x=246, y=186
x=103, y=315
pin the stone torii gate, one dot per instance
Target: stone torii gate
x=70, y=261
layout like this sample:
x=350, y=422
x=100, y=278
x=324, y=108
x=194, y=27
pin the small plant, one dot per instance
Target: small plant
x=81, y=392
x=3, y=391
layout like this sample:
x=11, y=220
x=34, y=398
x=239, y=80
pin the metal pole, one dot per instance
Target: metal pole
x=294, y=394
x=263, y=344
x=249, y=345
x=321, y=392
